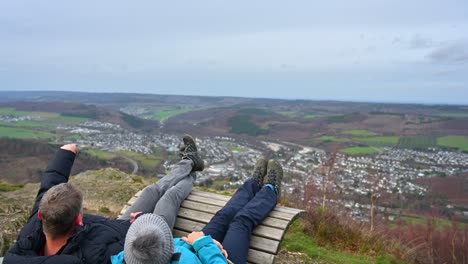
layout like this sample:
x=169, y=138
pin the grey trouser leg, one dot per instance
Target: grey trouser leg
x=169, y=204
x=152, y=193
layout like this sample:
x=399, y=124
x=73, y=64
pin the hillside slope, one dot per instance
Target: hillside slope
x=107, y=190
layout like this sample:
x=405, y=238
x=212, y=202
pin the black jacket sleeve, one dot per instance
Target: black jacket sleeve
x=57, y=172
x=12, y=258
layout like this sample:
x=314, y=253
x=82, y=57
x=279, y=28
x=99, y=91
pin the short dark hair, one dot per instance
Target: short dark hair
x=60, y=206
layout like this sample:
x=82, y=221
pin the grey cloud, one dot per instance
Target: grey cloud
x=418, y=42
x=452, y=53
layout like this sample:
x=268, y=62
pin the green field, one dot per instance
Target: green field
x=417, y=142
x=454, y=115
x=100, y=154
x=146, y=161
x=13, y=132
x=235, y=148
x=333, y=139
x=163, y=115
x=378, y=141
x=459, y=142
x=13, y=112
x=46, y=118
x=290, y=114
x=439, y=223
x=310, y=116
x=359, y=133
x=42, y=128
x=360, y=151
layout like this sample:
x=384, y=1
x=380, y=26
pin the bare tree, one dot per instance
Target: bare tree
x=328, y=173
x=376, y=189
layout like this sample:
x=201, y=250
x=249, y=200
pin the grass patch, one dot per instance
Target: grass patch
x=47, y=118
x=100, y=154
x=333, y=139
x=378, y=141
x=13, y=112
x=166, y=114
x=71, y=119
x=439, y=223
x=297, y=240
x=360, y=151
x=359, y=133
x=310, y=116
x=417, y=142
x=5, y=187
x=73, y=137
x=454, y=115
x=13, y=132
x=459, y=142
x=146, y=161
x=236, y=148
x=290, y=114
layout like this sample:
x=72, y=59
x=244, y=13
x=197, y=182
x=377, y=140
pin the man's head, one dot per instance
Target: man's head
x=60, y=210
x=148, y=241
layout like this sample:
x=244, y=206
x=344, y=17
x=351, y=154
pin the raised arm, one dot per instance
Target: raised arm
x=57, y=171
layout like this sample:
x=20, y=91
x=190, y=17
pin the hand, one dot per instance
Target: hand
x=221, y=248
x=133, y=216
x=70, y=147
x=192, y=237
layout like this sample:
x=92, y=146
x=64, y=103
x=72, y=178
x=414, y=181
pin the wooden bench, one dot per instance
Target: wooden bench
x=199, y=207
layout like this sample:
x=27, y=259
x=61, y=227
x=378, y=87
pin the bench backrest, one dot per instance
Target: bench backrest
x=199, y=207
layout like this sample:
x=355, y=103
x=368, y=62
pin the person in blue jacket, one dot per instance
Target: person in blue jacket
x=225, y=238
x=58, y=232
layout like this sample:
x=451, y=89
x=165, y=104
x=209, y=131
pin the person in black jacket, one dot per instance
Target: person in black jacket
x=57, y=231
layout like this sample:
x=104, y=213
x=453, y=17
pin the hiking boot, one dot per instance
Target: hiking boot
x=259, y=171
x=274, y=175
x=190, y=151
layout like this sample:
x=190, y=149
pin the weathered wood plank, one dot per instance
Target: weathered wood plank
x=206, y=217
x=258, y=243
x=217, y=201
x=264, y=244
x=259, y=257
x=269, y=232
x=261, y=230
x=191, y=203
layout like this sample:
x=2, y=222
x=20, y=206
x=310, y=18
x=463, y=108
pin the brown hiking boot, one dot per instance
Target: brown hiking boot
x=190, y=151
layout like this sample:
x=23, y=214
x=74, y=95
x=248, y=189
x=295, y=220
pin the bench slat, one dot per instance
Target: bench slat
x=208, y=208
x=206, y=217
x=217, y=201
x=259, y=257
x=260, y=230
x=258, y=243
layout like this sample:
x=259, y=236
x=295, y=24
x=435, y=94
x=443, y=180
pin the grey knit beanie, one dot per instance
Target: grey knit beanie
x=149, y=241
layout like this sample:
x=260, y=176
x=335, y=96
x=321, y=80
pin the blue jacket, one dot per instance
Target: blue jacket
x=203, y=251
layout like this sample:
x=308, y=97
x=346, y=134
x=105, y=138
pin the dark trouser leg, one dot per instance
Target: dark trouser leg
x=237, y=239
x=219, y=224
x=152, y=193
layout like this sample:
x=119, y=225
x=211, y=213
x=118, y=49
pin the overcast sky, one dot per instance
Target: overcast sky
x=366, y=50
